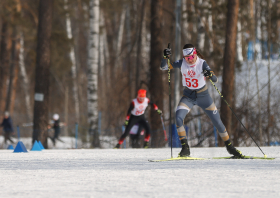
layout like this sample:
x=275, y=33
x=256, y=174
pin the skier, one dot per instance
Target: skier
x=7, y=127
x=135, y=115
x=56, y=128
x=194, y=71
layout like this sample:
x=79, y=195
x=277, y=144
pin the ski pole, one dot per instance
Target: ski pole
x=236, y=116
x=165, y=136
x=169, y=79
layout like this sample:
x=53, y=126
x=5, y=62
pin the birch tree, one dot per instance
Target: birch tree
x=25, y=81
x=119, y=39
x=104, y=50
x=73, y=64
x=93, y=71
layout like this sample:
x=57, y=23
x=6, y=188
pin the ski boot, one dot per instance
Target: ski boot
x=185, y=152
x=146, y=145
x=232, y=150
x=117, y=146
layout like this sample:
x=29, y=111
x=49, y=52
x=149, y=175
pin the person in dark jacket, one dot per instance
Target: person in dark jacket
x=56, y=128
x=7, y=127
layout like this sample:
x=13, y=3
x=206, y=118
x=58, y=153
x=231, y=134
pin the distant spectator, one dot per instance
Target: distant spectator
x=7, y=127
x=56, y=127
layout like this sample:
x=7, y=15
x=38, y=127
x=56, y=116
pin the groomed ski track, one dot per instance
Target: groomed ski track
x=127, y=173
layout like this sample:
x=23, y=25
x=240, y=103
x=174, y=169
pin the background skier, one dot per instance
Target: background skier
x=56, y=127
x=135, y=115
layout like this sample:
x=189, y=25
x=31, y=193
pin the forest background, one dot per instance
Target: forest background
x=86, y=59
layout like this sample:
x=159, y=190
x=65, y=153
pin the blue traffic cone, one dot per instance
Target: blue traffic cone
x=36, y=146
x=41, y=145
x=10, y=147
x=20, y=148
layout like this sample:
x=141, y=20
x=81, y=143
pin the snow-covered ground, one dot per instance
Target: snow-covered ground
x=127, y=173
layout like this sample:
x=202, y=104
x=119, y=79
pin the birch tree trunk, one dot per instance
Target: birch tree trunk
x=41, y=103
x=105, y=51
x=101, y=52
x=93, y=71
x=25, y=81
x=102, y=39
x=73, y=65
x=239, y=42
x=119, y=41
x=229, y=64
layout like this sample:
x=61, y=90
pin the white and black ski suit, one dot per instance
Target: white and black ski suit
x=135, y=115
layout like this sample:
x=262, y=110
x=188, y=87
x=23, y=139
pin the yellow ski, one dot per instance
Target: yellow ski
x=177, y=158
x=244, y=157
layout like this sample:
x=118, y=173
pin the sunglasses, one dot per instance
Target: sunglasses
x=189, y=57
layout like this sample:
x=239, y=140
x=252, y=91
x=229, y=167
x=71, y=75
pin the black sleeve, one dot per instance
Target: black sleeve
x=205, y=66
x=155, y=107
x=131, y=107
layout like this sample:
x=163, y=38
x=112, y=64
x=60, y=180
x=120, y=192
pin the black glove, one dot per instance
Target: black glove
x=166, y=52
x=207, y=73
